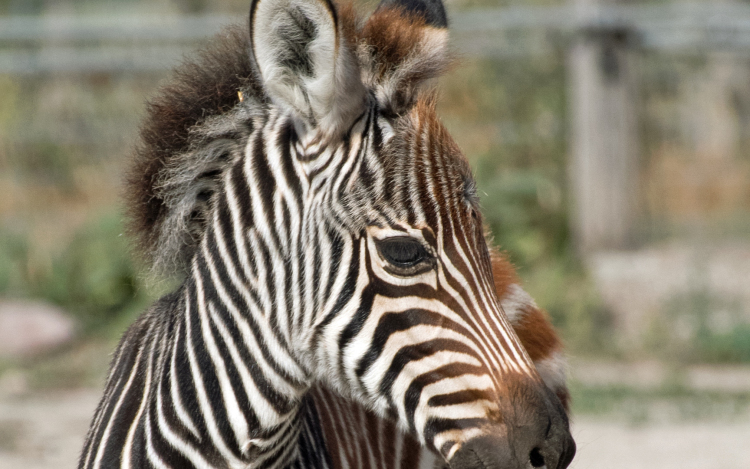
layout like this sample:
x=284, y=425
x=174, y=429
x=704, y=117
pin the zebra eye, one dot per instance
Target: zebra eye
x=404, y=254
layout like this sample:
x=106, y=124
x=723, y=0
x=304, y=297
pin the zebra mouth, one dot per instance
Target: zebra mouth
x=492, y=452
x=484, y=453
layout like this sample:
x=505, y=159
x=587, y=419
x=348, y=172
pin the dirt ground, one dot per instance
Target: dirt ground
x=45, y=431
x=695, y=445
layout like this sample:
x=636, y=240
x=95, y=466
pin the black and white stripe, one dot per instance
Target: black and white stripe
x=289, y=289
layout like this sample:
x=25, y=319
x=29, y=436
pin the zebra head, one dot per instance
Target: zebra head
x=395, y=306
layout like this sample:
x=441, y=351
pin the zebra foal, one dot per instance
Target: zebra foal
x=332, y=248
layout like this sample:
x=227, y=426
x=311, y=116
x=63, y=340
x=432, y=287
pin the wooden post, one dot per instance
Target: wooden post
x=604, y=139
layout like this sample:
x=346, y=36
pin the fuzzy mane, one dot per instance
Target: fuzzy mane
x=202, y=87
x=196, y=125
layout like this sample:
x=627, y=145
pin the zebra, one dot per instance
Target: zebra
x=331, y=248
x=357, y=438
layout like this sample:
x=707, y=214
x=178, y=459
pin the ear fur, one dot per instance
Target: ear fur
x=306, y=63
x=403, y=48
x=432, y=11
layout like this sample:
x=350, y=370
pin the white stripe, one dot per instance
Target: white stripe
x=177, y=443
x=113, y=416
x=127, y=448
x=420, y=367
x=283, y=358
x=205, y=406
x=179, y=407
x=234, y=413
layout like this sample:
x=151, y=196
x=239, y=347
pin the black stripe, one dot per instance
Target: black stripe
x=414, y=392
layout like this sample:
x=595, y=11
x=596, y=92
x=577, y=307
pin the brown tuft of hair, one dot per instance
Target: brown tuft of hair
x=349, y=21
x=503, y=272
x=392, y=34
x=400, y=52
x=537, y=335
x=201, y=87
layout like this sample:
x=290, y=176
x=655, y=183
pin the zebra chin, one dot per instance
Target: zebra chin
x=535, y=433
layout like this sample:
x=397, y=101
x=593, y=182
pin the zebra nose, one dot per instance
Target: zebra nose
x=555, y=452
x=531, y=436
x=493, y=452
x=554, y=448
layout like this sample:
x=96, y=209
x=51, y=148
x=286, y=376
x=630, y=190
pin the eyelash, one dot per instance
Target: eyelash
x=405, y=255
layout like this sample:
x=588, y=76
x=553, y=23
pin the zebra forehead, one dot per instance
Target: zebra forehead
x=423, y=148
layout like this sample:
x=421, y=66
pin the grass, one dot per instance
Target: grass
x=92, y=276
x=701, y=326
x=671, y=403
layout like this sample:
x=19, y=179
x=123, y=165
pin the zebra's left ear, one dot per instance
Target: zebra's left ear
x=306, y=63
x=404, y=45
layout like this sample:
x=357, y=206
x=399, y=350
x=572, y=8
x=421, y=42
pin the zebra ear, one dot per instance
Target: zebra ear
x=432, y=11
x=306, y=63
x=406, y=45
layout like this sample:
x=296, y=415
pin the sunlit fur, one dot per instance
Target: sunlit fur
x=354, y=437
x=273, y=215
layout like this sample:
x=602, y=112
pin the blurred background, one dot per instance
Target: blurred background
x=611, y=143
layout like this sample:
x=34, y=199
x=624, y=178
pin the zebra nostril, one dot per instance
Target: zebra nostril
x=535, y=458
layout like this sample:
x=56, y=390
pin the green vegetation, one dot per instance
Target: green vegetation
x=93, y=276
x=509, y=117
x=672, y=403
x=699, y=326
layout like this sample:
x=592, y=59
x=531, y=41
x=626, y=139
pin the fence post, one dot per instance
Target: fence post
x=603, y=169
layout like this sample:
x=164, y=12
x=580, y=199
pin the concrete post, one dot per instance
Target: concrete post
x=603, y=170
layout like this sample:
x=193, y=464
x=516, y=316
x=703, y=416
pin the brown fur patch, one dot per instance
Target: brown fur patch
x=392, y=35
x=534, y=329
x=503, y=272
x=399, y=52
x=537, y=334
x=349, y=21
x=201, y=87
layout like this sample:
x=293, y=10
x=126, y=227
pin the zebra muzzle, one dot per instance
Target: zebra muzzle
x=536, y=435
x=490, y=452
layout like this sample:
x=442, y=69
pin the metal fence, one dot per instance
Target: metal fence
x=45, y=44
x=604, y=85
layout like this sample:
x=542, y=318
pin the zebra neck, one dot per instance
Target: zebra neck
x=236, y=376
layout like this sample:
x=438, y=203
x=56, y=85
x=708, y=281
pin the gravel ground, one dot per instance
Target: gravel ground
x=45, y=431
x=702, y=445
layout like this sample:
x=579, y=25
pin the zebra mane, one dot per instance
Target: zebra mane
x=198, y=123
x=183, y=148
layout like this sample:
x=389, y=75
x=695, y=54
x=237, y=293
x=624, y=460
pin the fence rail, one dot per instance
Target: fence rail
x=600, y=43
x=38, y=45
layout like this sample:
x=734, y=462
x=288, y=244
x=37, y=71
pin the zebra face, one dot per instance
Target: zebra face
x=408, y=322
x=435, y=350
